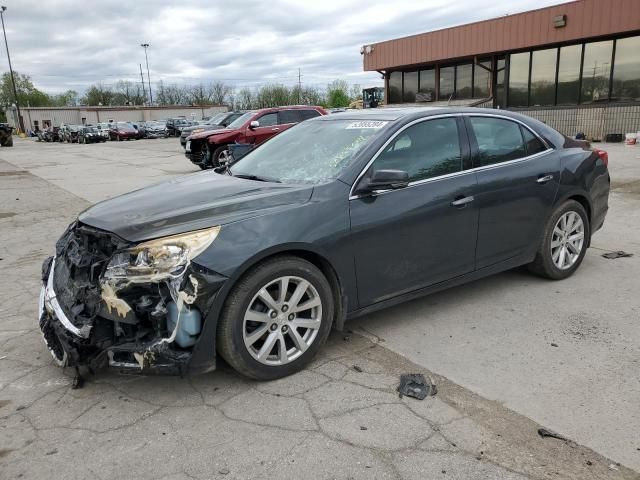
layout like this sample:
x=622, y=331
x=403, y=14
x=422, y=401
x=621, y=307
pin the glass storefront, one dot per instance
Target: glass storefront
x=586, y=73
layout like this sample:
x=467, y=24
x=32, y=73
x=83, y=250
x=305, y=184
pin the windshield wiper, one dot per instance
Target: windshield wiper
x=254, y=177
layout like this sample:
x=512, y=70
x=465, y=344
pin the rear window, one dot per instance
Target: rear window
x=289, y=116
x=498, y=140
x=307, y=114
x=533, y=143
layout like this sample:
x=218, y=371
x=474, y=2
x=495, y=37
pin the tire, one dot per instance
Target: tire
x=233, y=328
x=220, y=154
x=556, y=238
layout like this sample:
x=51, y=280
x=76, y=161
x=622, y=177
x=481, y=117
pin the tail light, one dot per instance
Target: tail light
x=604, y=156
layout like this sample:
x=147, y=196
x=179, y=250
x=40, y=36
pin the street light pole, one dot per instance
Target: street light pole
x=145, y=46
x=13, y=80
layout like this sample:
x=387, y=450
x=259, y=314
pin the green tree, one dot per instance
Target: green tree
x=66, y=99
x=98, y=95
x=28, y=94
x=338, y=94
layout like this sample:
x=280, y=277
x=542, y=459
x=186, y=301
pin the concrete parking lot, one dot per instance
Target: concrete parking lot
x=509, y=354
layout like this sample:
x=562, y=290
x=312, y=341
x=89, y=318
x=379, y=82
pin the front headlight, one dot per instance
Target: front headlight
x=159, y=259
x=198, y=130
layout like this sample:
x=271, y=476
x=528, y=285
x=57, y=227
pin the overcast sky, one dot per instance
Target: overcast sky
x=72, y=44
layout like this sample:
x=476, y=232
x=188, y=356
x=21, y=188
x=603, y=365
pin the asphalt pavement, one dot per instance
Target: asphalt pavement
x=510, y=354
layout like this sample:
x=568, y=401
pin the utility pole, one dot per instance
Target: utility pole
x=144, y=93
x=299, y=85
x=145, y=46
x=13, y=80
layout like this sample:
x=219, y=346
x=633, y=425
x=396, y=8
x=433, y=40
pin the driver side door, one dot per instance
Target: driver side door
x=425, y=233
x=268, y=128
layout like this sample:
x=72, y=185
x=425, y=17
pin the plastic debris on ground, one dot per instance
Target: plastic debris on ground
x=618, y=254
x=543, y=432
x=417, y=386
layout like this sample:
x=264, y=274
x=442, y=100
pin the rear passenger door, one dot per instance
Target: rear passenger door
x=518, y=178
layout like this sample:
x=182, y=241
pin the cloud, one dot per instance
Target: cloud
x=73, y=44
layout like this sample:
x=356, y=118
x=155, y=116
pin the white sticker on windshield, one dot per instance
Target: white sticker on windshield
x=367, y=124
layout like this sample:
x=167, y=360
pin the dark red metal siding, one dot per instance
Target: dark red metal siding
x=585, y=19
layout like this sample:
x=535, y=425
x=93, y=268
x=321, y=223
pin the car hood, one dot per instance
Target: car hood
x=190, y=202
x=209, y=133
x=205, y=128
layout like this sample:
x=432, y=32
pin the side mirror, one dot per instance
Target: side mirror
x=254, y=124
x=384, y=180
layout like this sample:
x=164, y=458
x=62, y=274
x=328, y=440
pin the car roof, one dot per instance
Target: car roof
x=407, y=114
x=288, y=107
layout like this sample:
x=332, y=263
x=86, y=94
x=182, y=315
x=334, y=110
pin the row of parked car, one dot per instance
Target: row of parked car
x=213, y=144
x=102, y=132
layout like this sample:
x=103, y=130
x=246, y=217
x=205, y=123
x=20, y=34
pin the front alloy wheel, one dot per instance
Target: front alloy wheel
x=282, y=321
x=276, y=318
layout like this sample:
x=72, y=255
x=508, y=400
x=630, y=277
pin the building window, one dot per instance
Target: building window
x=626, y=70
x=447, y=83
x=543, y=77
x=395, y=87
x=464, y=78
x=596, y=70
x=501, y=101
x=482, y=79
x=410, y=87
x=427, y=88
x=519, y=79
x=569, y=75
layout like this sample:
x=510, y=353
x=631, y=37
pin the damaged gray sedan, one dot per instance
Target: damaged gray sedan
x=334, y=218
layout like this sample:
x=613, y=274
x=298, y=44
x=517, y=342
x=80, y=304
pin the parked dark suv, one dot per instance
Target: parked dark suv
x=210, y=148
x=221, y=120
x=175, y=125
x=337, y=217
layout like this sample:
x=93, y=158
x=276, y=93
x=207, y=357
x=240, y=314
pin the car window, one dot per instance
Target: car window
x=533, y=143
x=498, y=140
x=268, y=119
x=288, y=116
x=307, y=114
x=425, y=150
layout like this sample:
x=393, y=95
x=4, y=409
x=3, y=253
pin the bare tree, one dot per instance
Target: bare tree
x=355, y=93
x=219, y=92
x=198, y=95
x=245, y=99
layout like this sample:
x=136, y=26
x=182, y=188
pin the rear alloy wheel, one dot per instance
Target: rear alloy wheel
x=276, y=318
x=564, y=243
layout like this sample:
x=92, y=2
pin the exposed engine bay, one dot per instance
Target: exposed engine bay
x=134, y=307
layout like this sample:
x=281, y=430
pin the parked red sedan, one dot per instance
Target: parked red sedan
x=210, y=148
x=122, y=131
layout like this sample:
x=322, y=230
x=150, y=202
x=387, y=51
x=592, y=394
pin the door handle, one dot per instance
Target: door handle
x=462, y=201
x=275, y=129
x=545, y=179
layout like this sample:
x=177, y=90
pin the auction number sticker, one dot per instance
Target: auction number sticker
x=366, y=124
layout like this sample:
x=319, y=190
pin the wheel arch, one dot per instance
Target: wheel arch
x=312, y=255
x=204, y=357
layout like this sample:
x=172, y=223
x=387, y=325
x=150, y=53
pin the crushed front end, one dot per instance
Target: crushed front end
x=138, y=308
